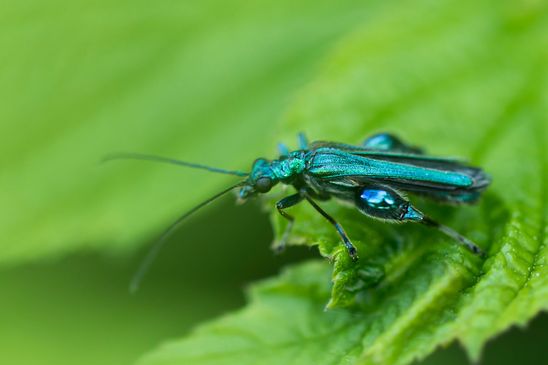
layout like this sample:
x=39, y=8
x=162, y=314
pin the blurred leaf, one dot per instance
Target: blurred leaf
x=202, y=81
x=255, y=335
x=459, y=78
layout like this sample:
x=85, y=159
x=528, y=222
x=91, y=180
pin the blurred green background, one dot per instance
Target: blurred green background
x=202, y=80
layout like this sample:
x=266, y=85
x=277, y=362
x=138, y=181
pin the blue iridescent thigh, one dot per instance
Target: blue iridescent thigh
x=385, y=203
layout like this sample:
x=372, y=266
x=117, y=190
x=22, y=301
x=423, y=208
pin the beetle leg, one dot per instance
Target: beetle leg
x=317, y=195
x=281, y=205
x=385, y=203
x=283, y=150
x=390, y=143
x=454, y=235
x=340, y=230
x=303, y=141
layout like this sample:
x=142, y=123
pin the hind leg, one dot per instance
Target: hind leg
x=382, y=202
x=389, y=143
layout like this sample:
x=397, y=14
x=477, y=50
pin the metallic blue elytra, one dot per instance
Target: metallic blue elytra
x=373, y=176
x=332, y=164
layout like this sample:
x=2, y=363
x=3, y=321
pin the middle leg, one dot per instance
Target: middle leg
x=340, y=230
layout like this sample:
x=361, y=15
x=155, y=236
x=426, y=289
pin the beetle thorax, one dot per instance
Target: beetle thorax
x=287, y=168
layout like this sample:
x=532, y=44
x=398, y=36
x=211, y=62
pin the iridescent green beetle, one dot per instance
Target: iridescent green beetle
x=371, y=176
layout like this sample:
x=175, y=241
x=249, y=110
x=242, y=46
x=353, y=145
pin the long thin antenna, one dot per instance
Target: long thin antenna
x=155, y=249
x=153, y=158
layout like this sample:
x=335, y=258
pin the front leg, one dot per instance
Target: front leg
x=281, y=205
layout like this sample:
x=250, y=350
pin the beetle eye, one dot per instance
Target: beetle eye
x=263, y=184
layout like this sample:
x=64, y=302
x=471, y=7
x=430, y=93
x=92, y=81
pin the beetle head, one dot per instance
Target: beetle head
x=260, y=180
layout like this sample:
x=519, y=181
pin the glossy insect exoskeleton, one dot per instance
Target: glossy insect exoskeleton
x=371, y=176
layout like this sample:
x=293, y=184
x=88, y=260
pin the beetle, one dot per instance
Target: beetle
x=373, y=176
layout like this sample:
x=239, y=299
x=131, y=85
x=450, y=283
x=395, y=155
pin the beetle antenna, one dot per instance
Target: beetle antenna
x=157, y=247
x=172, y=161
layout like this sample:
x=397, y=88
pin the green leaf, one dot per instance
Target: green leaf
x=254, y=335
x=463, y=78
x=202, y=81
